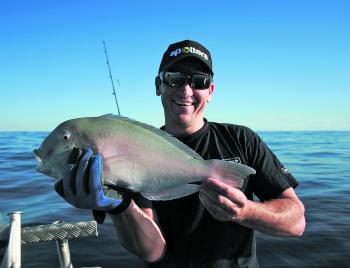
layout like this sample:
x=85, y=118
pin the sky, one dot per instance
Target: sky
x=279, y=65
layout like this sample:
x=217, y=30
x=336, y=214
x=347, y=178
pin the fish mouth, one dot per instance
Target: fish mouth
x=40, y=167
x=37, y=156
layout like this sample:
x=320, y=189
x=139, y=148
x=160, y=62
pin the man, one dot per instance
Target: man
x=212, y=228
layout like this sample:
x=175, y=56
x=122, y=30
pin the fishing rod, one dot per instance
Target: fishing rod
x=110, y=76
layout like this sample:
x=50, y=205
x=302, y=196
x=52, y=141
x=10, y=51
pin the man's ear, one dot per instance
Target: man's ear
x=211, y=91
x=158, y=83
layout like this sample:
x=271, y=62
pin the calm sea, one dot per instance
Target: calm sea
x=319, y=160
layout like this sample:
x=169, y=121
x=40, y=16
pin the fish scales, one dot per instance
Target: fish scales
x=136, y=156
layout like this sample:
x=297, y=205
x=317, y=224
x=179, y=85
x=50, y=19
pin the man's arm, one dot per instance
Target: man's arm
x=283, y=216
x=139, y=233
x=81, y=187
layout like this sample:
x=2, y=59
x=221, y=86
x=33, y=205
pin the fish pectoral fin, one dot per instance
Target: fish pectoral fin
x=172, y=193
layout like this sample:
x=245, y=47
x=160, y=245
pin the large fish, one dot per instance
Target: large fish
x=136, y=156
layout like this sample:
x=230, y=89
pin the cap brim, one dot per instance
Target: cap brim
x=177, y=60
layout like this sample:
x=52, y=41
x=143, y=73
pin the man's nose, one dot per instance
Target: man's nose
x=186, y=90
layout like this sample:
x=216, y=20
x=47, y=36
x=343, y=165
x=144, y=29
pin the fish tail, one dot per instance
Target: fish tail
x=229, y=172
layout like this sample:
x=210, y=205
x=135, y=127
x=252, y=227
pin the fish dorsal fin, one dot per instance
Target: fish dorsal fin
x=107, y=115
x=168, y=137
x=113, y=116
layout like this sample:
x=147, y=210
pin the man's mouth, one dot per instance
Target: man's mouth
x=183, y=103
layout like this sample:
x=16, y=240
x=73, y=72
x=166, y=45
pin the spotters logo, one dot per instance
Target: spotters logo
x=186, y=50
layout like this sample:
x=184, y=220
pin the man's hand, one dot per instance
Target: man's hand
x=224, y=202
x=282, y=216
x=81, y=185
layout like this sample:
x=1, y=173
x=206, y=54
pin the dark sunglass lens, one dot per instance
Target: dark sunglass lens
x=200, y=81
x=174, y=79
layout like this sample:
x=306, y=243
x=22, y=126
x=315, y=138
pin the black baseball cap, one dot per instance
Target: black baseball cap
x=188, y=52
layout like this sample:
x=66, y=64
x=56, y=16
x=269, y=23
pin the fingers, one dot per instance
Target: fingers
x=96, y=187
x=221, y=200
x=82, y=176
x=218, y=206
x=74, y=155
x=220, y=188
x=95, y=183
x=68, y=181
x=74, y=174
x=81, y=185
x=95, y=174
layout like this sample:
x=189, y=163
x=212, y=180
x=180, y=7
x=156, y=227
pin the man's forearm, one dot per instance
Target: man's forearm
x=138, y=232
x=280, y=217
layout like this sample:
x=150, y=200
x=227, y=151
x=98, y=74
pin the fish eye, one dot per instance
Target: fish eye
x=66, y=136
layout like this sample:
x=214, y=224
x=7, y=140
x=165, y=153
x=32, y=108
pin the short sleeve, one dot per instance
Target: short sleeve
x=271, y=177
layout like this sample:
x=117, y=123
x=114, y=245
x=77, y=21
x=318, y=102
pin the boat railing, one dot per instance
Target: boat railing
x=60, y=232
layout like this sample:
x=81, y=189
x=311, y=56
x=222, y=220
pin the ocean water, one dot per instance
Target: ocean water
x=319, y=160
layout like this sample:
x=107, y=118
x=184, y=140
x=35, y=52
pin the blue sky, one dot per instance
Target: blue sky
x=279, y=65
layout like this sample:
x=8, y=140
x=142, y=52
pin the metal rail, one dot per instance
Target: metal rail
x=12, y=257
x=61, y=232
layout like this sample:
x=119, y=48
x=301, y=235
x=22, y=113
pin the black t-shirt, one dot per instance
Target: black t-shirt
x=193, y=237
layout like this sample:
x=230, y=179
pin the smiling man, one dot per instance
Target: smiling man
x=186, y=66
x=184, y=109
x=212, y=228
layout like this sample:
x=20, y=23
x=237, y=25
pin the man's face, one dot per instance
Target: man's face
x=184, y=106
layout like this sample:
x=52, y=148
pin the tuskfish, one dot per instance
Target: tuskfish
x=136, y=156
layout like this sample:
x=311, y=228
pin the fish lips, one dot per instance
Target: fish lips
x=41, y=168
x=37, y=155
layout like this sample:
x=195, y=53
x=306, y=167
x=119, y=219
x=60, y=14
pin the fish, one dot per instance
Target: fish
x=136, y=157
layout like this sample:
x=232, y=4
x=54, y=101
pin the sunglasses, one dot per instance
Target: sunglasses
x=196, y=81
